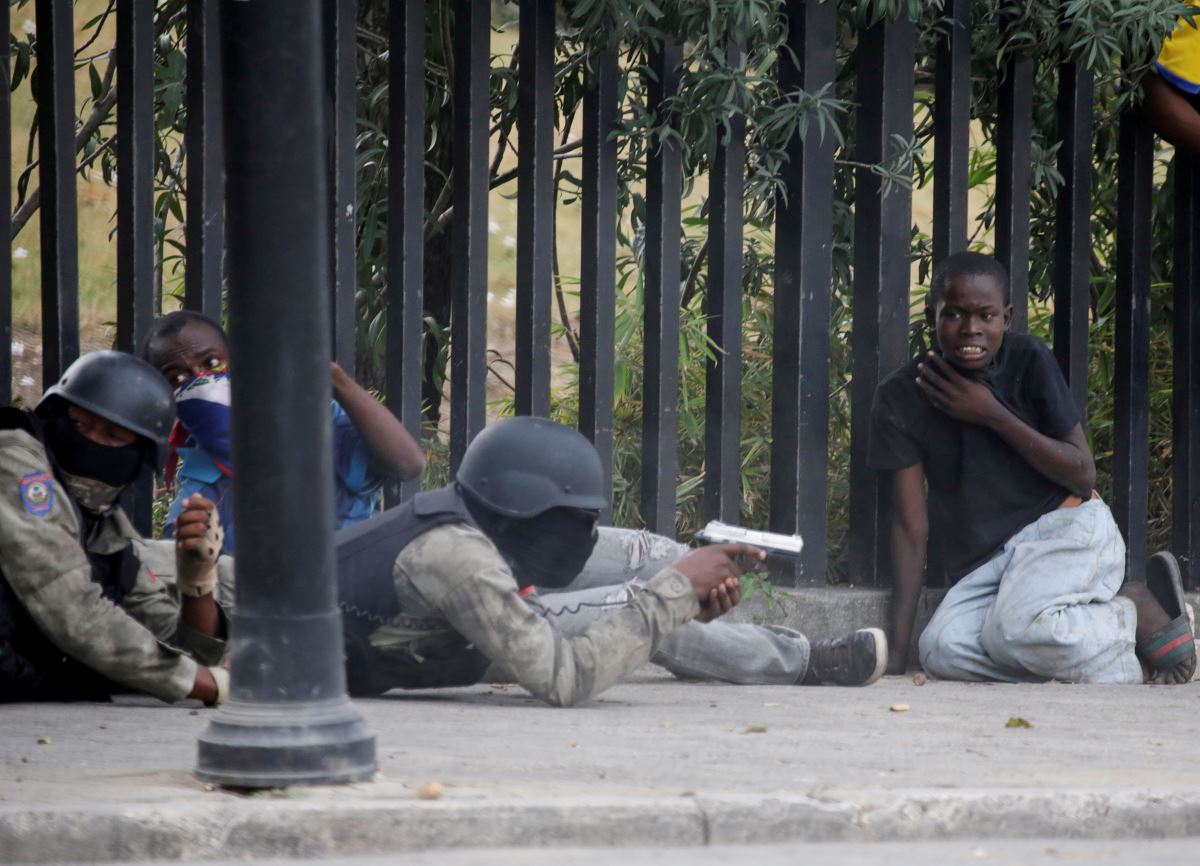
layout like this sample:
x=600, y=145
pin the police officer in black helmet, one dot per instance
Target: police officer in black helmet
x=81, y=617
x=470, y=576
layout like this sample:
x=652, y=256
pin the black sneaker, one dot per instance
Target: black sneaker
x=857, y=659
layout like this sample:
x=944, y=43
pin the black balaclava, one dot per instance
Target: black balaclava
x=548, y=550
x=94, y=473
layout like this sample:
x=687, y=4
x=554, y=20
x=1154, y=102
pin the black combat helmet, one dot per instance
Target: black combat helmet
x=123, y=389
x=521, y=467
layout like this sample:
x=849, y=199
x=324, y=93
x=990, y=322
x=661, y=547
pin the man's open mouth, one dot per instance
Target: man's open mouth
x=970, y=353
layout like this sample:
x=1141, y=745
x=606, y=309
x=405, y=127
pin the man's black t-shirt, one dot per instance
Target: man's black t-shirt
x=981, y=491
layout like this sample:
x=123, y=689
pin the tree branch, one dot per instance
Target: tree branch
x=443, y=219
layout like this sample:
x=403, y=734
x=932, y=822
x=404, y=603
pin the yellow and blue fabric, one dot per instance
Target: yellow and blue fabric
x=1179, y=60
x=358, y=491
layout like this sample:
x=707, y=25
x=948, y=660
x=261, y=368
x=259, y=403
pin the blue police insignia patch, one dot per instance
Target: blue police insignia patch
x=37, y=493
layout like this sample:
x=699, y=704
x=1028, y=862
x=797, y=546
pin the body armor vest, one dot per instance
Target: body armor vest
x=366, y=557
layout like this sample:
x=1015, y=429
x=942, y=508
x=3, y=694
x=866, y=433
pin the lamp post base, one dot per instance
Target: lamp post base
x=272, y=745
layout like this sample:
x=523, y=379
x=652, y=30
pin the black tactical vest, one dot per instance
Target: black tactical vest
x=366, y=556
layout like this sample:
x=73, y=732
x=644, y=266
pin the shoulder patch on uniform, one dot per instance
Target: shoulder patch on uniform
x=37, y=493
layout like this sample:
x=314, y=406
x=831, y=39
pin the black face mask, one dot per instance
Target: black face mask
x=76, y=454
x=548, y=550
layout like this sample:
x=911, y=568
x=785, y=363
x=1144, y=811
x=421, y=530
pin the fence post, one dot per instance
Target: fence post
x=535, y=206
x=6, y=308
x=341, y=18
x=1014, y=178
x=660, y=362
x=803, y=295
x=135, y=200
x=598, y=258
x=204, y=139
x=723, y=308
x=56, y=153
x=468, y=271
x=406, y=219
x=1131, y=410
x=952, y=131
x=1072, y=234
x=882, y=232
x=1185, y=406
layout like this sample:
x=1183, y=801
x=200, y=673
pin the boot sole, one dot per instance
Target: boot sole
x=881, y=654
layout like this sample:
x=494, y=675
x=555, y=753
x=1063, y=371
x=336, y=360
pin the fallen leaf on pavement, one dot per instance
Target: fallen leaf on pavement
x=756, y=729
x=899, y=708
x=1017, y=722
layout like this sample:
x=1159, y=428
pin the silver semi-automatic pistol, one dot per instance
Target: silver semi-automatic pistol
x=777, y=545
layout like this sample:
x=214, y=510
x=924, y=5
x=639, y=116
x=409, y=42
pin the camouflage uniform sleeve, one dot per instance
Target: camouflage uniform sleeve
x=461, y=574
x=157, y=607
x=48, y=571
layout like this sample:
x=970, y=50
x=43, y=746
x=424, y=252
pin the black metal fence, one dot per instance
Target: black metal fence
x=803, y=238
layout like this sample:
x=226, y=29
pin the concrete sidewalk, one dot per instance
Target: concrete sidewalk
x=652, y=762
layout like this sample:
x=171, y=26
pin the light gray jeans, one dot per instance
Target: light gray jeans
x=730, y=652
x=1045, y=607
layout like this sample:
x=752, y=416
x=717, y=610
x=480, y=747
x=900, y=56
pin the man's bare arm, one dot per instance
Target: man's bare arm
x=910, y=532
x=1170, y=113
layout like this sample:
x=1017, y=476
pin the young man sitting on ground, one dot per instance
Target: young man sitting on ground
x=1037, y=563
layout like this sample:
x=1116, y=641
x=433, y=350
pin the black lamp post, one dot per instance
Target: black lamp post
x=288, y=720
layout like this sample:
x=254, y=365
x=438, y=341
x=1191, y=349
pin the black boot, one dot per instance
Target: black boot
x=857, y=659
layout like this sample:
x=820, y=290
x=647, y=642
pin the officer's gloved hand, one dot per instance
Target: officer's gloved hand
x=221, y=677
x=198, y=540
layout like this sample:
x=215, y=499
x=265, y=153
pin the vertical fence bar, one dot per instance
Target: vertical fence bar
x=203, y=136
x=468, y=272
x=1073, y=242
x=1185, y=405
x=535, y=206
x=660, y=380
x=56, y=171
x=952, y=149
x=1014, y=179
x=882, y=232
x=135, y=198
x=6, y=310
x=288, y=720
x=1131, y=412
x=406, y=218
x=341, y=18
x=723, y=308
x=598, y=257
x=952, y=131
x=135, y=172
x=803, y=271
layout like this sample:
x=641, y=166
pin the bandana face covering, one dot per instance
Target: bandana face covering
x=202, y=404
x=92, y=495
x=90, y=463
x=548, y=550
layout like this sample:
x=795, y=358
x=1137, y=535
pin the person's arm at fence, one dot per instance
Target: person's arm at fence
x=910, y=532
x=1171, y=114
x=393, y=450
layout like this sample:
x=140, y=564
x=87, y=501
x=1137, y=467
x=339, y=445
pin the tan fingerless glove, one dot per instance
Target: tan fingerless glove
x=196, y=570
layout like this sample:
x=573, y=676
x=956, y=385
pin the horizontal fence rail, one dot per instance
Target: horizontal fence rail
x=802, y=334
